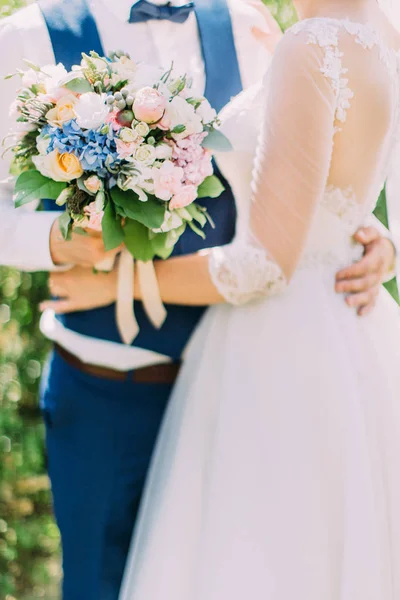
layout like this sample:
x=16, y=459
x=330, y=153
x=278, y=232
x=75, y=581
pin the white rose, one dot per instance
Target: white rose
x=163, y=152
x=128, y=135
x=180, y=112
x=91, y=110
x=206, y=112
x=142, y=129
x=42, y=143
x=145, y=155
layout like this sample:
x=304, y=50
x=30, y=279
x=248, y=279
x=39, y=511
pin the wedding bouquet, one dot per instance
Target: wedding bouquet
x=125, y=148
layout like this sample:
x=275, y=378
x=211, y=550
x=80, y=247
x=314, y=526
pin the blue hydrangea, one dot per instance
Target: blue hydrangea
x=95, y=150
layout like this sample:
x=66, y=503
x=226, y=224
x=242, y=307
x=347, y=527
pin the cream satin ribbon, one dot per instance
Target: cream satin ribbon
x=125, y=314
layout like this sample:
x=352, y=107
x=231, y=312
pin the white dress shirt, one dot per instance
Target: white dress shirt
x=24, y=234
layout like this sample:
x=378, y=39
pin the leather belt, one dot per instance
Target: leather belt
x=162, y=374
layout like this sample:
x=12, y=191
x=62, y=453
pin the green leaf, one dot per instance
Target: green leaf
x=32, y=65
x=80, y=85
x=196, y=102
x=113, y=234
x=137, y=240
x=65, y=224
x=197, y=230
x=178, y=129
x=210, y=188
x=197, y=214
x=159, y=245
x=32, y=185
x=150, y=213
x=217, y=141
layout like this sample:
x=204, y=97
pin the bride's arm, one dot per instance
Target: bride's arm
x=290, y=175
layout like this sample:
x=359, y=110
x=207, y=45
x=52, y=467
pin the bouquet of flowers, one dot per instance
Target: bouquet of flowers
x=125, y=148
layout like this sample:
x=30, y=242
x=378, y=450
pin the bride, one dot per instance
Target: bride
x=277, y=472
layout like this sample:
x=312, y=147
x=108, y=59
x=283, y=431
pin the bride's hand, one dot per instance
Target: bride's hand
x=270, y=34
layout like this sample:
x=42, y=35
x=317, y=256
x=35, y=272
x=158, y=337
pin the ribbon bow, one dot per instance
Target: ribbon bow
x=144, y=11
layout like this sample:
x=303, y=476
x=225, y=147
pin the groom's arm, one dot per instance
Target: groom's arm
x=185, y=280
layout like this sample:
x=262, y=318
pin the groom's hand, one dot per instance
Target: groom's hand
x=80, y=289
x=83, y=250
x=361, y=281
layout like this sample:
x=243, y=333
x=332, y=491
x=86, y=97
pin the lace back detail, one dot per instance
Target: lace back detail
x=325, y=33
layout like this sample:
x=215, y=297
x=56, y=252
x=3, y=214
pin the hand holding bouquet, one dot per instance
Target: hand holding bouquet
x=125, y=148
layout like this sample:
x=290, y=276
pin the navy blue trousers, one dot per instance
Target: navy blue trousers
x=100, y=437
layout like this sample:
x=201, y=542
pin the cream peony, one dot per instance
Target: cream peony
x=91, y=110
x=180, y=112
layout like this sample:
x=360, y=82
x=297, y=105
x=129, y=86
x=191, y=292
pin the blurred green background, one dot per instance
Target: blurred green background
x=29, y=541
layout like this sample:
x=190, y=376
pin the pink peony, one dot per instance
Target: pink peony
x=167, y=180
x=93, y=218
x=185, y=196
x=149, y=105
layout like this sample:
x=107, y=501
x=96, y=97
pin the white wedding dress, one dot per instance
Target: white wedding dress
x=277, y=471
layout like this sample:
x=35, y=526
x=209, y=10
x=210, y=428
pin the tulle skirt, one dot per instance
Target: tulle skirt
x=277, y=471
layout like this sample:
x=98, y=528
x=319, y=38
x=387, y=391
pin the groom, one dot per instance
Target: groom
x=102, y=401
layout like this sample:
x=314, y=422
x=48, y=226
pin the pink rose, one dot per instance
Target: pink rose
x=93, y=184
x=93, y=218
x=126, y=149
x=167, y=180
x=149, y=105
x=185, y=196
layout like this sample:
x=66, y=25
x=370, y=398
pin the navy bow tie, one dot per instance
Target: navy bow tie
x=145, y=11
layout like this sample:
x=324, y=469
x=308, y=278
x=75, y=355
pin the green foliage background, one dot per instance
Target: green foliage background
x=28, y=536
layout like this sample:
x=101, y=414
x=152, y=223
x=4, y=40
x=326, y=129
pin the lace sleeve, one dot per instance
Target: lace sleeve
x=291, y=170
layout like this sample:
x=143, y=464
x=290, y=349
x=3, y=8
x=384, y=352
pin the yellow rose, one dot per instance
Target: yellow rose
x=62, y=167
x=63, y=111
